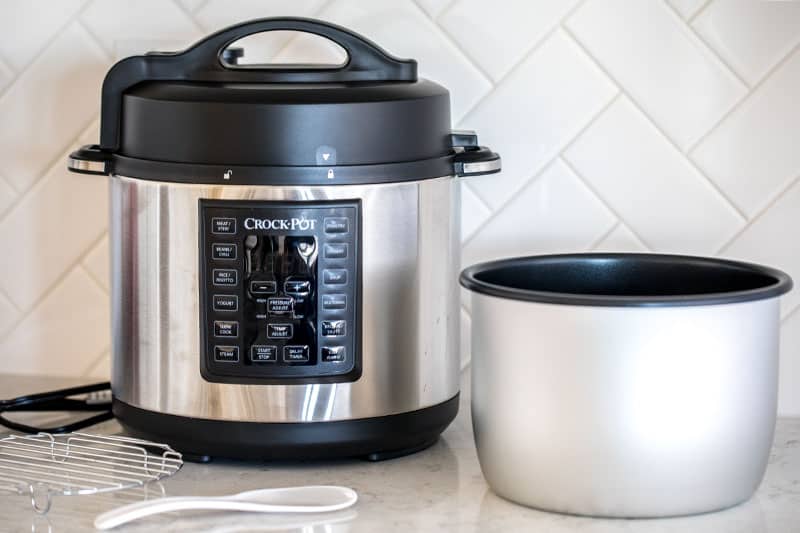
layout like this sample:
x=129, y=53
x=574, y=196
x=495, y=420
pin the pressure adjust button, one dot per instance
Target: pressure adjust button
x=226, y=302
x=225, y=328
x=333, y=328
x=225, y=277
x=333, y=354
x=223, y=225
x=335, y=276
x=280, y=306
x=263, y=353
x=223, y=251
x=280, y=331
x=226, y=354
x=295, y=354
x=334, y=301
x=335, y=224
x=335, y=250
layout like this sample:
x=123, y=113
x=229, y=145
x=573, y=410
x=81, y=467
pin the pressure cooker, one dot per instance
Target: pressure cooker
x=284, y=248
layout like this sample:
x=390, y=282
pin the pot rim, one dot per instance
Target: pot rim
x=470, y=278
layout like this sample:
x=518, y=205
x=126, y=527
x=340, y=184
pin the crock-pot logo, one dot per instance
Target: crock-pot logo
x=302, y=224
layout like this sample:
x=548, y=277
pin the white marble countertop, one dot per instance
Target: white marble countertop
x=439, y=489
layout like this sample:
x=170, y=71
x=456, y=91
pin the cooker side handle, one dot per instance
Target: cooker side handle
x=470, y=158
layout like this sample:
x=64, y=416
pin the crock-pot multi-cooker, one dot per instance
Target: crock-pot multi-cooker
x=284, y=248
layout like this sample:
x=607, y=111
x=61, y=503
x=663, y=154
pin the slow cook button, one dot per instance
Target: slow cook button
x=335, y=225
x=222, y=225
x=279, y=306
x=263, y=287
x=280, y=331
x=263, y=353
x=223, y=251
x=226, y=354
x=335, y=250
x=226, y=277
x=333, y=328
x=296, y=287
x=334, y=276
x=334, y=301
x=226, y=302
x=295, y=354
x=224, y=328
x=333, y=354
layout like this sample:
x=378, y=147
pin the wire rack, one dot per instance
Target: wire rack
x=44, y=465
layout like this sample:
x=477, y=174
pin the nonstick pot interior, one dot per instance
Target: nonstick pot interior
x=619, y=279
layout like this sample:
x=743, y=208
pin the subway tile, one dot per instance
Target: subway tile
x=535, y=112
x=390, y=23
x=96, y=263
x=499, y=34
x=8, y=315
x=473, y=211
x=101, y=368
x=555, y=213
x=7, y=196
x=661, y=64
x=751, y=36
x=6, y=75
x=33, y=25
x=621, y=239
x=49, y=105
x=772, y=239
x=754, y=152
x=466, y=339
x=49, y=229
x=63, y=334
x=650, y=184
x=788, y=389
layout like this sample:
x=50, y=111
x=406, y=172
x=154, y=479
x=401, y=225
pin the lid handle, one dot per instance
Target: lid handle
x=203, y=62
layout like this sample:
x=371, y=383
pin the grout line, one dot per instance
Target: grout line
x=535, y=46
x=790, y=314
x=755, y=218
x=698, y=12
x=4, y=294
x=785, y=59
x=190, y=15
x=89, y=272
x=605, y=235
x=546, y=165
x=596, y=193
x=95, y=39
x=22, y=194
x=48, y=290
x=658, y=128
x=96, y=360
x=443, y=11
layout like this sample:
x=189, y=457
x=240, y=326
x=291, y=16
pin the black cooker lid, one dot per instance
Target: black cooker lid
x=196, y=116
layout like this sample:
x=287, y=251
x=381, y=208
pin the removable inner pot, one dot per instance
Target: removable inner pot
x=625, y=280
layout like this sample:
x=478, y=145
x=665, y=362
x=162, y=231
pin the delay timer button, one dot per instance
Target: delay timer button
x=295, y=354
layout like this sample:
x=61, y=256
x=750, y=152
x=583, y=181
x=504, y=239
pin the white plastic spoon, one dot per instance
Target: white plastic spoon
x=310, y=499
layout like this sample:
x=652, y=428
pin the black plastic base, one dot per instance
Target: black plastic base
x=374, y=439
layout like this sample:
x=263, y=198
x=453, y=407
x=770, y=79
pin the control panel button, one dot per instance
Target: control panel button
x=280, y=331
x=296, y=287
x=334, y=301
x=280, y=306
x=334, y=276
x=221, y=250
x=335, y=250
x=226, y=354
x=225, y=277
x=336, y=225
x=226, y=302
x=226, y=328
x=263, y=353
x=263, y=287
x=333, y=328
x=223, y=225
x=295, y=354
x=333, y=354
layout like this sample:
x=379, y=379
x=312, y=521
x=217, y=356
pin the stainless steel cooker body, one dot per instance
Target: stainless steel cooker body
x=409, y=316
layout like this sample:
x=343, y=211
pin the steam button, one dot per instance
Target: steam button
x=226, y=354
x=335, y=224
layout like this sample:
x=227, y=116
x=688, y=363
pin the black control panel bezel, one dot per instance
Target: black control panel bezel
x=244, y=372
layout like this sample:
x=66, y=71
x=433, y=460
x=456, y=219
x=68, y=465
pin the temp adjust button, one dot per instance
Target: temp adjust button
x=335, y=250
x=226, y=354
x=225, y=277
x=226, y=302
x=334, y=301
x=280, y=331
x=225, y=328
x=335, y=224
x=263, y=353
x=280, y=306
x=333, y=354
x=295, y=354
x=333, y=328
x=223, y=225
x=334, y=276
x=223, y=251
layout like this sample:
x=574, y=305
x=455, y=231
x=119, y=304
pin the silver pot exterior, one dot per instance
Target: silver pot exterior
x=410, y=303
x=624, y=411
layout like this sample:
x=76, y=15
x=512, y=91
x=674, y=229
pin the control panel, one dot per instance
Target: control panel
x=280, y=291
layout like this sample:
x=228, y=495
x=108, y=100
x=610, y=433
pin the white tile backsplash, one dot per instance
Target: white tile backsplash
x=647, y=125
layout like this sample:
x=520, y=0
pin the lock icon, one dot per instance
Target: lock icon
x=330, y=173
